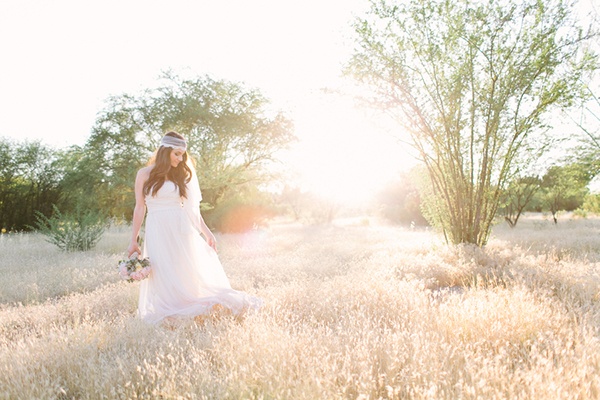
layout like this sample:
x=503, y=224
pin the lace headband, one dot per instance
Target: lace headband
x=176, y=143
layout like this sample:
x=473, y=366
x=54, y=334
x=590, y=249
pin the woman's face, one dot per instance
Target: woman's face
x=176, y=157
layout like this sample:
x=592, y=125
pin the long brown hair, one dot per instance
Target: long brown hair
x=163, y=170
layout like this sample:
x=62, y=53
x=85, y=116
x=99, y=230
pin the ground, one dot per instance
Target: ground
x=354, y=309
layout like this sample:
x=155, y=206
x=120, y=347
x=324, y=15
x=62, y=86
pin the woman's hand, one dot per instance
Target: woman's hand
x=211, y=240
x=133, y=248
x=208, y=235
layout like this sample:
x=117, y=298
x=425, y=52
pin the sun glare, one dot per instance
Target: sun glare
x=343, y=155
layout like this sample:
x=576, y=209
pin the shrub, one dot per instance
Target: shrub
x=591, y=203
x=75, y=232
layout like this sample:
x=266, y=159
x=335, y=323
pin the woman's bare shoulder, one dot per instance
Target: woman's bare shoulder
x=145, y=172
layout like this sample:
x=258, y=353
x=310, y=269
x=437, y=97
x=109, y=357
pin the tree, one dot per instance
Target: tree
x=588, y=118
x=517, y=197
x=81, y=178
x=29, y=182
x=231, y=134
x=564, y=188
x=400, y=202
x=591, y=203
x=471, y=82
x=588, y=152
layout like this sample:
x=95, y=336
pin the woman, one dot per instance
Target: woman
x=187, y=278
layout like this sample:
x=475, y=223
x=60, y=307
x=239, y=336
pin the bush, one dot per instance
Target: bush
x=77, y=232
x=591, y=203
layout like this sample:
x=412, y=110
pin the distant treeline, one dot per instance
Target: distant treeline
x=34, y=177
x=234, y=141
x=231, y=134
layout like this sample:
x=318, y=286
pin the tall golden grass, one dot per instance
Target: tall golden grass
x=351, y=312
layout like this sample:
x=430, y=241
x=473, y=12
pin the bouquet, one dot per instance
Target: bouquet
x=134, y=269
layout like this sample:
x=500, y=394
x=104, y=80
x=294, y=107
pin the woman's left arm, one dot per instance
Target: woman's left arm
x=208, y=235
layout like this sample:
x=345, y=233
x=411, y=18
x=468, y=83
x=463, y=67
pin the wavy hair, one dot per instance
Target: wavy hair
x=163, y=170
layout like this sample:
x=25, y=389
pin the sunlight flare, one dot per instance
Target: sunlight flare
x=345, y=154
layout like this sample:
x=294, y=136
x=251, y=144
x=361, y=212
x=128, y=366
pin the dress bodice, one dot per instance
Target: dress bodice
x=167, y=197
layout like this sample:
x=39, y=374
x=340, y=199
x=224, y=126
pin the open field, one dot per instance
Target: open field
x=351, y=311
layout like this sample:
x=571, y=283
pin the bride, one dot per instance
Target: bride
x=187, y=278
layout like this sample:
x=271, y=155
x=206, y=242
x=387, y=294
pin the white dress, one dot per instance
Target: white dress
x=187, y=278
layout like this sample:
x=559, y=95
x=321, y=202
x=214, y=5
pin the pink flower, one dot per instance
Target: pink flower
x=137, y=276
x=123, y=272
x=134, y=269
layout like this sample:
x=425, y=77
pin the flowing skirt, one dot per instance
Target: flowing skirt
x=187, y=278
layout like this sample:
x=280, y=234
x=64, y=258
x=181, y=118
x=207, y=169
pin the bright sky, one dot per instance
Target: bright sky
x=63, y=58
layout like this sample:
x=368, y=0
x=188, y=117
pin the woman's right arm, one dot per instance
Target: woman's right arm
x=139, y=211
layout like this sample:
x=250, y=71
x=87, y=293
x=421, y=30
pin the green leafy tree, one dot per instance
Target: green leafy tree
x=80, y=180
x=29, y=182
x=471, y=82
x=517, y=197
x=588, y=151
x=564, y=188
x=8, y=184
x=591, y=203
x=231, y=132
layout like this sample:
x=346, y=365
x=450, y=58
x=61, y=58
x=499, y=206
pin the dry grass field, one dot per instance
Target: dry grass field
x=352, y=311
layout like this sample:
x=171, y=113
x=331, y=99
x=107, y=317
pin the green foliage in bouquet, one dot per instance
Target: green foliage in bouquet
x=80, y=231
